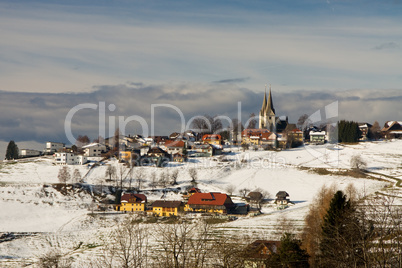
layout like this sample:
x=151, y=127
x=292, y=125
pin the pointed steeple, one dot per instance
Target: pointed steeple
x=270, y=106
x=264, y=103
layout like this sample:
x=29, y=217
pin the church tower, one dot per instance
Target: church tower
x=267, y=112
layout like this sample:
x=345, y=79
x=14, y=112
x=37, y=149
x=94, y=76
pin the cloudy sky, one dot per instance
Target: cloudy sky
x=203, y=57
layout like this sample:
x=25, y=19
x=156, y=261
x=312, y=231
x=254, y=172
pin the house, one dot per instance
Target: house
x=317, y=137
x=281, y=198
x=295, y=137
x=133, y=202
x=68, y=158
x=174, y=146
x=392, y=130
x=156, y=152
x=94, y=149
x=29, y=153
x=52, y=147
x=258, y=252
x=174, y=136
x=179, y=157
x=215, y=139
x=268, y=139
x=364, y=129
x=253, y=136
x=167, y=208
x=210, y=203
x=201, y=150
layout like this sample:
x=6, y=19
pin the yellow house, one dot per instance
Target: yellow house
x=214, y=139
x=125, y=156
x=133, y=202
x=167, y=208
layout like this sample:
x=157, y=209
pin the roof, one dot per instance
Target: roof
x=211, y=137
x=282, y=194
x=175, y=143
x=133, y=198
x=212, y=199
x=93, y=145
x=167, y=204
x=254, y=131
x=317, y=133
x=392, y=125
x=194, y=190
x=257, y=248
x=156, y=150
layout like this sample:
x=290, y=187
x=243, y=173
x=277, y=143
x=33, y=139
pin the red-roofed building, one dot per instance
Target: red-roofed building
x=254, y=136
x=210, y=203
x=214, y=139
x=133, y=202
x=174, y=146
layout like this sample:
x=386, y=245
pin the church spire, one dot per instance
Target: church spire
x=270, y=105
x=264, y=103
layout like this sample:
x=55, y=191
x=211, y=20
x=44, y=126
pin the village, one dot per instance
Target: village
x=227, y=178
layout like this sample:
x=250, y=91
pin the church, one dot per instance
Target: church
x=267, y=117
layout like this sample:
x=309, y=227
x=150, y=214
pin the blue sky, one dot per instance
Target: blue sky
x=50, y=48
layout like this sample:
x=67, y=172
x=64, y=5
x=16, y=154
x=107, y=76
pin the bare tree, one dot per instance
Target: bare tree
x=64, y=175
x=374, y=131
x=110, y=172
x=357, y=163
x=230, y=189
x=243, y=192
x=303, y=122
x=54, y=259
x=207, y=124
x=229, y=251
x=193, y=174
x=183, y=244
x=174, y=175
x=311, y=235
x=77, y=178
x=140, y=177
x=121, y=173
x=252, y=123
x=82, y=140
x=162, y=182
x=127, y=247
x=153, y=180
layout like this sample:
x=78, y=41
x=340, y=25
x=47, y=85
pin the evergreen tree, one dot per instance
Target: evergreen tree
x=12, y=151
x=339, y=244
x=289, y=254
x=348, y=131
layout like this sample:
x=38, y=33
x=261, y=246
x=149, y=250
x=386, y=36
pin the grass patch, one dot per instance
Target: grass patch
x=92, y=245
x=216, y=220
x=151, y=220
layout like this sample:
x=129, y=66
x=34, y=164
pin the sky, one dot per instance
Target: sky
x=203, y=57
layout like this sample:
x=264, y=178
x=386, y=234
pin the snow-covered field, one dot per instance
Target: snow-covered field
x=29, y=205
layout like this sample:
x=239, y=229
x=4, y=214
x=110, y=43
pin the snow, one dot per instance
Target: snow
x=28, y=202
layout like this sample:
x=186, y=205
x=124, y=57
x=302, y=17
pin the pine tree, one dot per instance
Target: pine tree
x=12, y=151
x=290, y=253
x=339, y=244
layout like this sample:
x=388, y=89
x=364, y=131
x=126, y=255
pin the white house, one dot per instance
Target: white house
x=317, y=137
x=64, y=158
x=29, y=153
x=94, y=149
x=52, y=147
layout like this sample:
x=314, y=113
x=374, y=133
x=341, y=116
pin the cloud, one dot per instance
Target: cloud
x=233, y=80
x=40, y=116
x=389, y=45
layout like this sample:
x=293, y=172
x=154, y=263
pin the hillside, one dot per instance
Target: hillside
x=30, y=203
